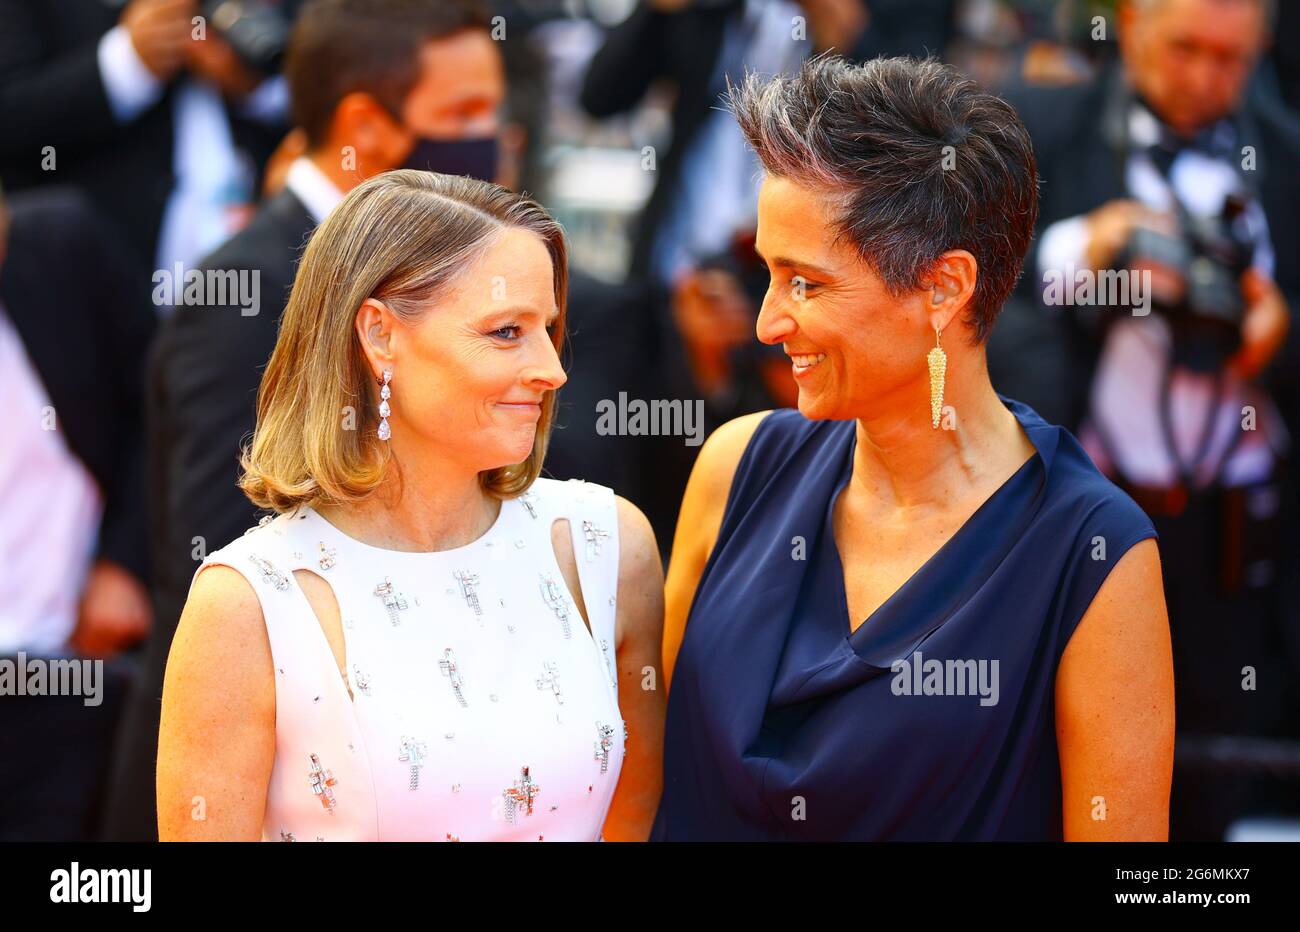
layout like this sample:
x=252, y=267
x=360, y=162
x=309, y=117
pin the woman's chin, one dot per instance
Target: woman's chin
x=513, y=448
x=815, y=407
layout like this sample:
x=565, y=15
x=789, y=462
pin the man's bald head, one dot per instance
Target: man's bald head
x=1191, y=59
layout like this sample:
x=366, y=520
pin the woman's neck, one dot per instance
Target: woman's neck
x=901, y=461
x=435, y=506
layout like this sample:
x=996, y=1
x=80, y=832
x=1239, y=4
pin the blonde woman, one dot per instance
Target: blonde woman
x=427, y=641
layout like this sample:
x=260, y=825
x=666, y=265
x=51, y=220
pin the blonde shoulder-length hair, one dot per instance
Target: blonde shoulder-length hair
x=401, y=237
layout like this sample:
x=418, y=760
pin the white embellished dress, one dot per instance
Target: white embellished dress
x=482, y=708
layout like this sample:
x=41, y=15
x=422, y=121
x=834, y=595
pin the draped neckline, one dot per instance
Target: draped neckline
x=944, y=581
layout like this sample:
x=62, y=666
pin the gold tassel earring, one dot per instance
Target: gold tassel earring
x=937, y=360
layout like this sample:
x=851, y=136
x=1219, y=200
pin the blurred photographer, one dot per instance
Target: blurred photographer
x=704, y=185
x=161, y=111
x=1166, y=259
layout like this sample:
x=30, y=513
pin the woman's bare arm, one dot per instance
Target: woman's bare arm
x=1115, y=709
x=216, y=743
x=703, y=505
x=639, y=624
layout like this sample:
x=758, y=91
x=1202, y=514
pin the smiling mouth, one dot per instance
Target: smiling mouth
x=804, y=362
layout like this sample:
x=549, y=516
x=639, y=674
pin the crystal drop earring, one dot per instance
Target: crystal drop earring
x=384, y=410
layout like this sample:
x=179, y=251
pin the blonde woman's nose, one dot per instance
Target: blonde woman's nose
x=548, y=372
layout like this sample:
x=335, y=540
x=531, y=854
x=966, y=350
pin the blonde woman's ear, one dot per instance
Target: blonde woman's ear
x=374, y=325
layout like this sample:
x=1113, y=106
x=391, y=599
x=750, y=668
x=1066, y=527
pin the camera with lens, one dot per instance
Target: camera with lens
x=257, y=30
x=1205, y=307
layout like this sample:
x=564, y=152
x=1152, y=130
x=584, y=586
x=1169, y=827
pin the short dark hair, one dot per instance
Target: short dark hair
x=919, y=160
x=341, y=46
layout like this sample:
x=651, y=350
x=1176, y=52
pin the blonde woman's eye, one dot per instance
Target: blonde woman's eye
x=507, y=333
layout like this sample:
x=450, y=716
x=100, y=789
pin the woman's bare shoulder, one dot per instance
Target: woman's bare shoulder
x=709, y=486
x=220, y=589
x=222, y=625
x=721, y=453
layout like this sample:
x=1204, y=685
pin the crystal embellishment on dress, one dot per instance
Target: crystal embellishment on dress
x=270, y=575
x=451, y=670
x=326, y=556
x=550, y=679
x=522, y=793
x=593, y=535
x=413, y=752
x=361, y=679
x=604, y=649
x=529, y=501
x=394, y=602
x=604, y=743
x=468, y=583
x=322, y=783
x=554, y=598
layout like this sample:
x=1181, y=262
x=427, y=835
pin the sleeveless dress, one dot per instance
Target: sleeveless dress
x=481, y=707
x=933, y=720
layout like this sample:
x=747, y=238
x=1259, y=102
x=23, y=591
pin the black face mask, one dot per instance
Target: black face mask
x=476, y=157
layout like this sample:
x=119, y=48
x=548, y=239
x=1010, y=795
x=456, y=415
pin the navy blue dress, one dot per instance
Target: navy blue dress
x=784, y=726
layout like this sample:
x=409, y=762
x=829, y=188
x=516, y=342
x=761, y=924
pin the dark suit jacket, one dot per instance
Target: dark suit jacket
x=1081, y=166
x=684, y=47
x=204, y=373
x=52, y=94
x=85, y=325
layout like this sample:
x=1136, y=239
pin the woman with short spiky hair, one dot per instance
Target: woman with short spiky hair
x=910, y=609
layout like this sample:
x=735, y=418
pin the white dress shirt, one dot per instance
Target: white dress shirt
x=50, y=508
x=313, y=187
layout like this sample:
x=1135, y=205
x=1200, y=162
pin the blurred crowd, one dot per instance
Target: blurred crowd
x=163, y=162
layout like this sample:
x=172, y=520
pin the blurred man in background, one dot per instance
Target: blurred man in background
x=1165, y=165
x=705, y=186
